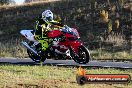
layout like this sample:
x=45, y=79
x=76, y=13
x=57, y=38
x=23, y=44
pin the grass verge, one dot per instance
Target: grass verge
x=102, y=54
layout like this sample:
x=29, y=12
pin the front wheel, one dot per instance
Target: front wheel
x=83, y=55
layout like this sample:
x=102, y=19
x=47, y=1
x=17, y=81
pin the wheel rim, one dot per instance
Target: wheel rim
x=82, y=56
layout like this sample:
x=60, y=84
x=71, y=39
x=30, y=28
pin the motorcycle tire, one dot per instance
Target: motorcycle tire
x=80, y=58
x=35, y=58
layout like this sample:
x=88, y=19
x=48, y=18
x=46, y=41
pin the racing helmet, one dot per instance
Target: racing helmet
x=47, y=15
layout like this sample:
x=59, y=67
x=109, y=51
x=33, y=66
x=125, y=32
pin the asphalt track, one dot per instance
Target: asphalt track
x=28, y=61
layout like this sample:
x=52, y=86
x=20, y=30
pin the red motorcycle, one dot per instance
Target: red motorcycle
x=65, y=44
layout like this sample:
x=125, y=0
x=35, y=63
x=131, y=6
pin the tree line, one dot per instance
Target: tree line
x=7, y=2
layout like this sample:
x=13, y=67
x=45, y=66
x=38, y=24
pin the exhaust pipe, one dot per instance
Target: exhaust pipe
x=29, y=48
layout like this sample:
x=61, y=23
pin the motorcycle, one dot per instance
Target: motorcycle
x=64, y=43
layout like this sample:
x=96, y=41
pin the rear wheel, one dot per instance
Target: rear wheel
x=83, y=55
x=34, y=57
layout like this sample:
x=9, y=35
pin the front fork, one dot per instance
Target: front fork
x=74, y=49
x=75, y=45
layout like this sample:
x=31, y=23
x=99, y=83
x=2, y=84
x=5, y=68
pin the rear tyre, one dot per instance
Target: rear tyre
x=83, y=55
x=35, y=58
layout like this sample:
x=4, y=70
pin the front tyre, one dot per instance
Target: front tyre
x=83, y=55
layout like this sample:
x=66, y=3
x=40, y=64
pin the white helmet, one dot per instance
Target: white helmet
x=47, y=15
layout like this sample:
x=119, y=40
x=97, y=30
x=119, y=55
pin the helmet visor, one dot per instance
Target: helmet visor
x=49, y=18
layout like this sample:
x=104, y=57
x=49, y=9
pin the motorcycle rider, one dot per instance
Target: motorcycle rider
x=43, y=25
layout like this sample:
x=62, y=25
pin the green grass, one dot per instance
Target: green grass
x=16, y=76
x=102, y=54
x=12, y=50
